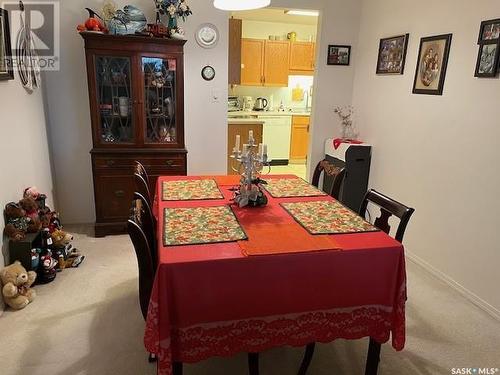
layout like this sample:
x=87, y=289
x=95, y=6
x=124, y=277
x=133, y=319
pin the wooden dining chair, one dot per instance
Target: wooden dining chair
x=144, y=260
x=143, y=254
x=388, y=208
x=141, y=180
x=148, y=225
x=326, y=168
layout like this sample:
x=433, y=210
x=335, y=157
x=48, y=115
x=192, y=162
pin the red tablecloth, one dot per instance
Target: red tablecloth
x=211, y=300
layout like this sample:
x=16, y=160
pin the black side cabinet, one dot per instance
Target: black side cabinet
x=356, y=160
x=21, y=250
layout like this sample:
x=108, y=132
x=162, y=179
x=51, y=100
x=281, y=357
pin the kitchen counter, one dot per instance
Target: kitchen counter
x=267, y=113
x=242, y=121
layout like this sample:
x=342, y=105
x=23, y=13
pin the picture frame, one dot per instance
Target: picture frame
x=338, y=55
x=432, y=63
x=489, y=31
x=487, y=59
x=6, y=69
x=392, y=55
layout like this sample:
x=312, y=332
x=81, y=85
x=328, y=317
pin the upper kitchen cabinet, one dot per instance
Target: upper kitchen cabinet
x=263, y=62
x=302, y=57
x=235, y=30
x=252, y=62
x=276, y=57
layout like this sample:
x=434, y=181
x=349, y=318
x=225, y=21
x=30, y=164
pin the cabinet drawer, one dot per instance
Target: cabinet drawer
x=113, y=197
x=176, y=161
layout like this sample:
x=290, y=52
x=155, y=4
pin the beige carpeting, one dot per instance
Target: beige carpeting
x=88, y=322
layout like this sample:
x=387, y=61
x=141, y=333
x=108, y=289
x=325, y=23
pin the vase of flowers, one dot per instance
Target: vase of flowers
x=173, y=10
x=348, y=130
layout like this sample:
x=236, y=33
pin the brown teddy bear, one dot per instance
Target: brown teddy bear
x=16, y=222
x=30, y=207
x=16, y=283
x=61, y=238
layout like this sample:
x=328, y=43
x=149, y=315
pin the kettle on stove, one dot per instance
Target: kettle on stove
x=260, y=104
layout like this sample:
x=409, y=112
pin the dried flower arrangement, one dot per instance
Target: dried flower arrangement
x=348, y=130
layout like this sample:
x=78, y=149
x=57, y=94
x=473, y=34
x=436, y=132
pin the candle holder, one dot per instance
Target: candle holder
x=251, y=162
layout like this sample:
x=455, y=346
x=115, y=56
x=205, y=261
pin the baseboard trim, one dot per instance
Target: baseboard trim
x=472, y=297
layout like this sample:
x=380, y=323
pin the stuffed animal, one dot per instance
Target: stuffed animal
x=33, y=192
x=16, y=283
x=60, y=238
x=17, y=224
x=47, y=270
x=30, y=207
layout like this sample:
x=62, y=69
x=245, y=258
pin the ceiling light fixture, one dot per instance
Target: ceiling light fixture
x=235, y=5
x=298, y=12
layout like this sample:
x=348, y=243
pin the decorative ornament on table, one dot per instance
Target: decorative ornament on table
x=252, y=160
x=348, y=130
x=173, y=10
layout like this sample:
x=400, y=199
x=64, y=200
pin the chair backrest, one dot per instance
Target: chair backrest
x=148, y=225
x=143, y=254
x=388, y=207
x=141, y=170
x=324, y=166
x=142, y=186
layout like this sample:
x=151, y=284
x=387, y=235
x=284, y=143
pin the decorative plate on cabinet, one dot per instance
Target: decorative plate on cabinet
x=207, y=35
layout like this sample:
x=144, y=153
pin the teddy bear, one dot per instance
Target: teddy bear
x=66, y=254
x=16, y=283
x=33, y=192
x=17, y=224
x=30, y=207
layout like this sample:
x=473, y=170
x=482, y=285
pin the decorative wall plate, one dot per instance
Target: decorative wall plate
x=207, y=35
x=208, y=73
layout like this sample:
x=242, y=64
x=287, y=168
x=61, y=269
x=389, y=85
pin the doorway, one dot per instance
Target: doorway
x=272, y=65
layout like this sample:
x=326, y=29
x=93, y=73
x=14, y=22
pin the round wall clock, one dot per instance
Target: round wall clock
x=208, y=73
x=207, y=35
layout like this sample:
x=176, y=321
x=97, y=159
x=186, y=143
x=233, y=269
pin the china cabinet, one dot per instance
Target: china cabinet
x=136, y=92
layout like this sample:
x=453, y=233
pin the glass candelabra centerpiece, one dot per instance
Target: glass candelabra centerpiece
x=249, y=163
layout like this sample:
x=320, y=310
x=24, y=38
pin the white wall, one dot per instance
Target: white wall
x=262, y=30
x=24, y=152
x=206, y=125
x=439, y=154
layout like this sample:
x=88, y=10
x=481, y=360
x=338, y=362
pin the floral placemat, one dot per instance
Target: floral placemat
x=291, y=187
x=327, y=217
x=200, y=225
x=184, y=190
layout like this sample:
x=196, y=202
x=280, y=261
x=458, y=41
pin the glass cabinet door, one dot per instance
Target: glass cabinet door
x=114, y=95
x=159, y=100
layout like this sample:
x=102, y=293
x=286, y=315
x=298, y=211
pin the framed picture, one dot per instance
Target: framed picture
x=487, y=60
x=339, y=55
x=489, y=30
x=431, y=65
x=392, y=54
x=6, y=71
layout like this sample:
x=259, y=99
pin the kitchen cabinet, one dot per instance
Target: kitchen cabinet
x=252, y=61
x=276, y=55
x=136, y=95
x=299, y=142
x=264, y=62
x=302, y=56
x=241, y=127
x=235, y=30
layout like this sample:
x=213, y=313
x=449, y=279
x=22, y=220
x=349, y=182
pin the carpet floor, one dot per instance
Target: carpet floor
x=88, y=321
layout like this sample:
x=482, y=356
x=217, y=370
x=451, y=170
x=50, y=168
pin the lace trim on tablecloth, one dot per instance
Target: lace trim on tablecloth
x=200, y=342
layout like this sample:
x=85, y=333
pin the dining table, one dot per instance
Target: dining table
x=300, y=269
